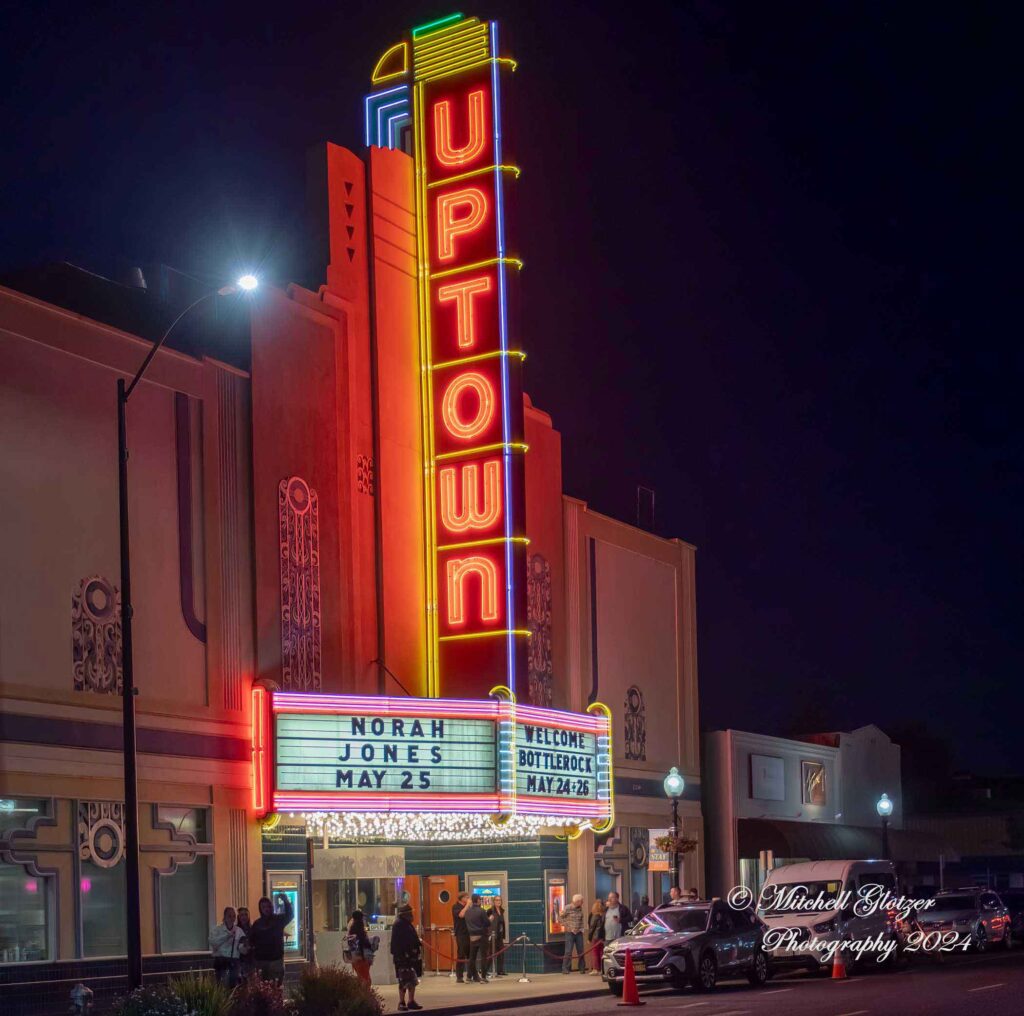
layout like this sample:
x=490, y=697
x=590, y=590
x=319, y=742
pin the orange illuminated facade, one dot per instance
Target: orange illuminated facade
x=473, y=419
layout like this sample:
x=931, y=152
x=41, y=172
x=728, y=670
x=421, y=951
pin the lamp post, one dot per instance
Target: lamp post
x=674, y=786
x=884, y=809
x=133, y=919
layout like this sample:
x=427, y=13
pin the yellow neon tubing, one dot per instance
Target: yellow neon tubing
x=505, y=168
x=514, y=446
x=479, y=356
x=524, y=540
x=514, y=261
x=486, y=634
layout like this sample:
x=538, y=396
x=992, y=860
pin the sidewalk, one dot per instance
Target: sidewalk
x=444, y=995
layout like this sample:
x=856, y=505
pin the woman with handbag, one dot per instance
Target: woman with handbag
x=595, y=935
x=359, y=947
x=406, y=950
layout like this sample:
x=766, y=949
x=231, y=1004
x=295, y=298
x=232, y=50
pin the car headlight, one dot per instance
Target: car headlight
x=825, y=928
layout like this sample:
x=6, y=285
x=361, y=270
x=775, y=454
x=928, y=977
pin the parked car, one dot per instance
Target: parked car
x=785, y=905
x=690, y=942
x=972, y=911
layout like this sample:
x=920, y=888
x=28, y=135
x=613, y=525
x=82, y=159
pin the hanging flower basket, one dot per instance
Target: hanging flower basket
x=675, y=844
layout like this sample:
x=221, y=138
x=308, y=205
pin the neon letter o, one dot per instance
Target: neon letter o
x=457, y=426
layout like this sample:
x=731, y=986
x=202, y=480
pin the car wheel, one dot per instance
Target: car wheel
x=707, y=973
x=980, y=939
x=615, y=987
x=758, y=972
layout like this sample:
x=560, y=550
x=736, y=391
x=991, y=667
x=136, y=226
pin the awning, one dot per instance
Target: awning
x=823, y=841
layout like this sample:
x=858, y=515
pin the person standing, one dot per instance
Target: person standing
x=359, y=947
x=266, y=936
x=595, y=935
x=675, y=893
x=247, y=962
x=645, y=908
x=225, y=942
x=406, y=951
x=571, y=918
x=499, y=929
x=459, y=910
x=617, y=919
x=479, y=928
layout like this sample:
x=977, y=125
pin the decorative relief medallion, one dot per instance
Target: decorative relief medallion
x=639, y=846
x=299, y=532
x=96, y=636
x=364, y=474
x=101, y=832
x=538, y=619
x=635, y=714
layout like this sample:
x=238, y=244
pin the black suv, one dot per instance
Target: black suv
x=691, y=942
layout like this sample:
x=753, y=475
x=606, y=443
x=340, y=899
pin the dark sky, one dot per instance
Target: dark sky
x=771, y=250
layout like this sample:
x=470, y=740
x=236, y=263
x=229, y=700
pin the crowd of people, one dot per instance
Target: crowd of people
x=479, y=938
x=244, y=948
x=608, y=920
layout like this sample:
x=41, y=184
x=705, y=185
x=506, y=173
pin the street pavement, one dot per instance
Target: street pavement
x=989, y=985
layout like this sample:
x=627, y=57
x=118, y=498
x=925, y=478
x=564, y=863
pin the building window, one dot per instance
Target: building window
x=19, y=813
x=185, y=907
x=24, y=915
x=102, y=895
x=192, y=822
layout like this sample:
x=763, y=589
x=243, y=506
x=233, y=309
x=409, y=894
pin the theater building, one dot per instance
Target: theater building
x=380, y=655
x=418, y=562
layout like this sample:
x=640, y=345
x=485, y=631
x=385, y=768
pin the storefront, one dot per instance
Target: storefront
x=382, y=801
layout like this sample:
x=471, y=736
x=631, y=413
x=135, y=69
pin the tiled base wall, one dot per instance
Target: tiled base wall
x=45, y=989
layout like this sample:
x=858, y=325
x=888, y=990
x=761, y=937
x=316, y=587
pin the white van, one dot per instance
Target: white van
x=817, y=905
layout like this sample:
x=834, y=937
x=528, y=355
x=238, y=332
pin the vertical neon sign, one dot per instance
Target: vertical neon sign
x=472, y=396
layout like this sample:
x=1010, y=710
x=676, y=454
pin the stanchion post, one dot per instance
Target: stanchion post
x=437, y=957
x=455, y=957
x=524, y=938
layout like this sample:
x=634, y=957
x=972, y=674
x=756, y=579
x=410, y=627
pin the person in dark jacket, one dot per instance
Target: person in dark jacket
x=406, y=951
x=266, y=938
x=459, y=910
x=617, y=919
x=479, y=929
x=499, y=928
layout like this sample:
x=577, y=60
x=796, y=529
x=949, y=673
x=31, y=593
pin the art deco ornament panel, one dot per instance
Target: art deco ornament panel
x=538, y=615
x=299, y=530
x=96, y=636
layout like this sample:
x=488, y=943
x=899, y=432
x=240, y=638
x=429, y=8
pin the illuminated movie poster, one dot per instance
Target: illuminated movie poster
x=555, y=894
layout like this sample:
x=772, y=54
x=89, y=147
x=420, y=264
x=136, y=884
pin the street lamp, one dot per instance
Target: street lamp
x=674, y=786
x=133, y=918
x=884, y=809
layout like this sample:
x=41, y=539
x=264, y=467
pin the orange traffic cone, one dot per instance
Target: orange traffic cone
x=838, y=966
x=630, y=996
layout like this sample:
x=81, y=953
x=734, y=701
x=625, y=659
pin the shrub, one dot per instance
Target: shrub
x=154, y=1000
x=333, y=991
x=202, y=995
x=254, y=997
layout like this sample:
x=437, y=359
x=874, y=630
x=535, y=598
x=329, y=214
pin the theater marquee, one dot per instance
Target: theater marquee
x=351, y=753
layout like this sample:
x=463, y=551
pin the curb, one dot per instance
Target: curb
x=516, y=1003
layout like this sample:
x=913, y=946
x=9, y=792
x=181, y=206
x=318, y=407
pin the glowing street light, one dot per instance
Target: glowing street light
x=248, y=282
x=884, y=809
x=674, y=785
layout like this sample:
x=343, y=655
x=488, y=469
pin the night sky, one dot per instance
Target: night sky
x=770, y=253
